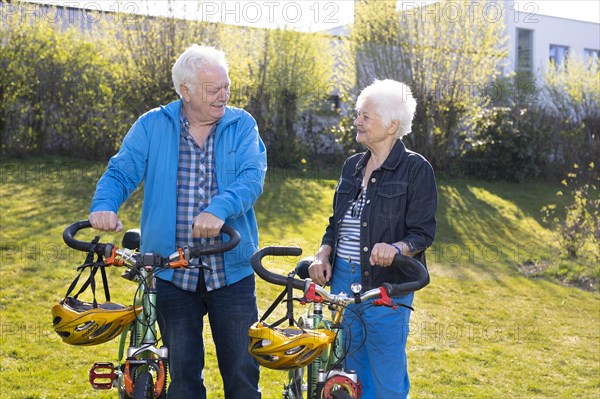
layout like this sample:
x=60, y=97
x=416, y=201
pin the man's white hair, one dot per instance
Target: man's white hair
x=193, y=59
x=392, y=101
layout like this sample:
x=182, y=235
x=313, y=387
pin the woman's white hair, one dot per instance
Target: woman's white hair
x=392, y=101
x=193, y=59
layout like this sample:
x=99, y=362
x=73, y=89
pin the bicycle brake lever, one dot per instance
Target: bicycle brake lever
x=311, y=295
x=385, y=299
x=200, y=265
x=181, y=262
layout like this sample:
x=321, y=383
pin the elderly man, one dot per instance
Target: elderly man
x=203, y=164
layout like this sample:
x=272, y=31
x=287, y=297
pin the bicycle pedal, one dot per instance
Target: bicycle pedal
x=102, y=375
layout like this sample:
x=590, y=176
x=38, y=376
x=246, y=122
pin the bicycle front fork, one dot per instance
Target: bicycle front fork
x=142, y=354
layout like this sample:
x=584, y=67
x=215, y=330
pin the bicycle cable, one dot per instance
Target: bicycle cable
x=348, y=338
x=145, y=321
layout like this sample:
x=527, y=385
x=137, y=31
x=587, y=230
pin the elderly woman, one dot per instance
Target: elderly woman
x=203, y=164
x=384, y=204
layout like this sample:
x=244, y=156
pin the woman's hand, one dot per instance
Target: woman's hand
x=320, y=270
x=383, y=253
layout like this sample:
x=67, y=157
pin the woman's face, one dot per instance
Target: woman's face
x=370, y=129
x=207, y=100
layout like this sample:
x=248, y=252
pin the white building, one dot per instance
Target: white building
x=535, y=39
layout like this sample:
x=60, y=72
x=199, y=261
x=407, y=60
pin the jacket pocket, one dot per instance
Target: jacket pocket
x=343, y=197
x=391, y=200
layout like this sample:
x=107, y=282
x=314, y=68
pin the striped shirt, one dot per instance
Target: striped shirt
x=348, y=245
x=196, y=186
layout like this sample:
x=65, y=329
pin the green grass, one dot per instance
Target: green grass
x=480, y=330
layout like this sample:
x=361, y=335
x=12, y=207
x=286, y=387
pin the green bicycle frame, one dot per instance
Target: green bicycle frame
x=325, y=361
x=147, y=331
x=142, y=331
x=312, y=377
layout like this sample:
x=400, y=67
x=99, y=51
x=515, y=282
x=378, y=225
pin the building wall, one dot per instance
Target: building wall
x=547, y=30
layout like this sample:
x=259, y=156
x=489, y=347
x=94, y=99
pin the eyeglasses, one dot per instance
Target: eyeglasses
x=357, y=205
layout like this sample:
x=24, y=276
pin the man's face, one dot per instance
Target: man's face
x=206, y=99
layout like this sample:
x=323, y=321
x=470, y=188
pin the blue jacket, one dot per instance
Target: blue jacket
x=150, y=153
x=400, y=206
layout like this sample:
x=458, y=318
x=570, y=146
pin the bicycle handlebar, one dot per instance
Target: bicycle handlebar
x=106, y=249
x=234, y=240
x=409, y=267
x=71, y=241
x=274, y=278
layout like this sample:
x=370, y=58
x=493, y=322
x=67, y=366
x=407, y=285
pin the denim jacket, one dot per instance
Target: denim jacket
x=400, y=206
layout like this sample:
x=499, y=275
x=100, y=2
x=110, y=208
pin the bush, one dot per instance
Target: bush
x=533, y=130
x=579, y=223
x=77, y=93
x=60, y=92
x=506, y=143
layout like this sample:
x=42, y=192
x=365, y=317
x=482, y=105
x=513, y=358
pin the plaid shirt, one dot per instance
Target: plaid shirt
x=196, y=186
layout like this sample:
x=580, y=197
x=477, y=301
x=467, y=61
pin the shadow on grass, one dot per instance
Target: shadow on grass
x=488, y=228
x=40, y=197
x=290, y=200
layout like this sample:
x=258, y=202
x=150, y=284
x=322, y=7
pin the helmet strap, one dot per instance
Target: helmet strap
x=287, y=292
x=91, y=281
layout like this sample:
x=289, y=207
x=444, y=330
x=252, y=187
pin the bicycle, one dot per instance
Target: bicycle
x=143, y=374
x=319, y=374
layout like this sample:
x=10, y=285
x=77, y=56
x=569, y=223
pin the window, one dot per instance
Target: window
x=591, y=55
x=524, y=50
x=558, y=54
x=334, y=99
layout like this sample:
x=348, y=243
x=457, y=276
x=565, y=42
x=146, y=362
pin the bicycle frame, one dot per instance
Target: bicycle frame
x=142, y=353
x=295, y=387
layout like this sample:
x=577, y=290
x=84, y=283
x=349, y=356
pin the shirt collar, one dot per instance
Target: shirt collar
x=393, y=160
x=185, y=125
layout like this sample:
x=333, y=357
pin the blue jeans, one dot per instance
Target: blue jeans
x=374, y=339
x=231, y=311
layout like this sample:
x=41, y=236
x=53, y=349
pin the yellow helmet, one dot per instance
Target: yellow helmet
x=287, y=348
x=79, y=323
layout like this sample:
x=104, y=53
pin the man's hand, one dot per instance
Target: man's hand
x=105, y=221
x=206, y=225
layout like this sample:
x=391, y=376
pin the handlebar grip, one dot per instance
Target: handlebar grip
x=271, y=277
x=234, y=240
x=71, y=241
x=411, y=270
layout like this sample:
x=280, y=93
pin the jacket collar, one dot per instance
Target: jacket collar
x=394, y=159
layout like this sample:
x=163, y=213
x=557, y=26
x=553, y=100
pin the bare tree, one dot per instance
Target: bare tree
x=448, y=52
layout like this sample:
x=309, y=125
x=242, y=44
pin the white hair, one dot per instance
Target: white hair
x=392, y=101
x=193, y=59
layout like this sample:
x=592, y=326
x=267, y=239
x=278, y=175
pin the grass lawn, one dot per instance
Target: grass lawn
x=480, y=330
